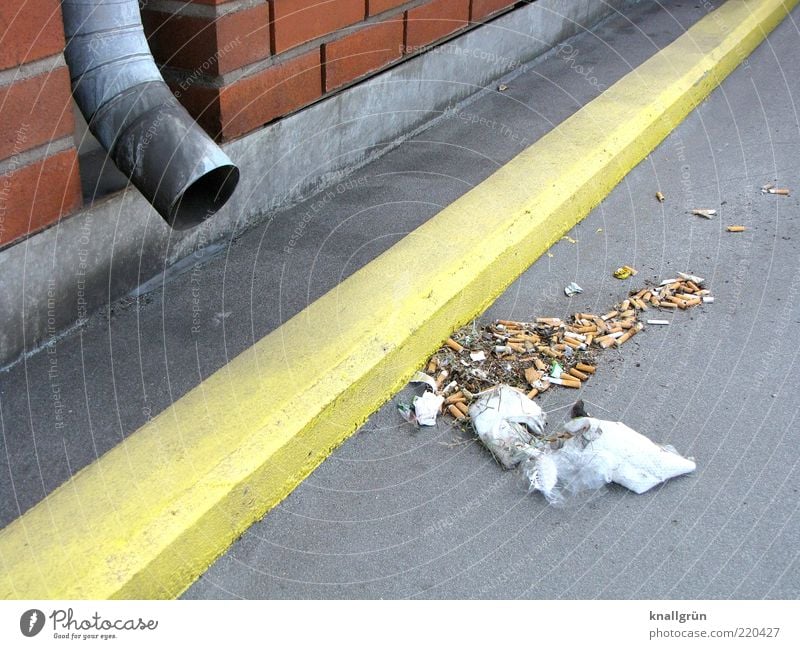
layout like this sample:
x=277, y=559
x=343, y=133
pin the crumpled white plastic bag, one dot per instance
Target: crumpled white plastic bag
x=600, y=452
x=505, y=420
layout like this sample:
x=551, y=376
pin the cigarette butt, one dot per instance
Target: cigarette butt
x=452, y=344
x=433, y=365
x=706, y=214
x=517, y=347
x=609, y=315
x=559, y=347
x=703, y=291
x=680, y=303
x=583, y=367
x=779, y=192
x=513, y=324
x=629, y=334
x=641, y=304
x=736, y=228
x=654, y=301
x=693, y=301
x=589, y=339
x=615, y=329
x=627, y=314
x=578, y=374
x=667, y=305
x=575, y=344
x=625, y=305
x=567, y=383
x=584, y=330
x=462, y=407
x=440, y=378
x=553, y=322
x=646, y=297
x=658, y=322
x=708, y=299
x=532, y=375
x=573, y=336
x=585, y=316
x=455, y=412
x=540, y=364
x=547, y=351
x=458, y=396
x=660, y=197
x=532, y=393
x=695, y=288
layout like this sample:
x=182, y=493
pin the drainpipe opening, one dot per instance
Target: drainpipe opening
x=203, y=197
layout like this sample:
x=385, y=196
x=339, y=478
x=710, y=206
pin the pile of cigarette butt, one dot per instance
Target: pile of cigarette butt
x=533, y=356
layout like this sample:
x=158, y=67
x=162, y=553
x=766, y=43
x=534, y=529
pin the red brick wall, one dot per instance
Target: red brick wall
x=39, y=181
x=240, y=64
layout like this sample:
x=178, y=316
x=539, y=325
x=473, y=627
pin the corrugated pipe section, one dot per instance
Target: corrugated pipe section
x=136, y=118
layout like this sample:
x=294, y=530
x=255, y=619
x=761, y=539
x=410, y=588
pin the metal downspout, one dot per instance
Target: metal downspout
x=131, y=111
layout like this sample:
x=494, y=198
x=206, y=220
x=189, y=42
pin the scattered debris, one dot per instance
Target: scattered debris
x=572, y=289
x=624, y=272
x=502, y=87
x=407, y=412
x=506, y=421
x=421, y=377
x=593, y=452
x=568, y=238
x=736, y=228
x=770, y=188
x=534, y=356
x=694, y=279
x=660, y=197
x=706, y=214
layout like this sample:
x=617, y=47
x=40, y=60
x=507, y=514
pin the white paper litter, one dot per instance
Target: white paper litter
x=505, y=419
x=421, y=377
x=427, y=407
x=478, y=356
x=572, y=289
x=600, y=452
x=692, y=278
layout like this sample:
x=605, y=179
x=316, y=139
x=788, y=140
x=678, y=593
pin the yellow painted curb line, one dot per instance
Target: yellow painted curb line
x=146, y=519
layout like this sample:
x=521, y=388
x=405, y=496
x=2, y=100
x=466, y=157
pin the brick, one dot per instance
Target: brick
x=34, y=111
x=375, y=7
x=483, y=8
x=432, y=21
x=202, y=102
x=29, y=30
x=37, y=195
x=254, y=101
x=364, y=51
x=298, y=21
x=207, y=45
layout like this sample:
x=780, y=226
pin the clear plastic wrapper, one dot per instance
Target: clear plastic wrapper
x=600, y=452
x=506, y=420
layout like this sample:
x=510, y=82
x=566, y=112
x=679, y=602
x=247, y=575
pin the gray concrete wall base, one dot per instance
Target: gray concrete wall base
x=59, y=277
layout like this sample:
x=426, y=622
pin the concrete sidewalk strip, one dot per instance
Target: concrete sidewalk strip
x=151, y=515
